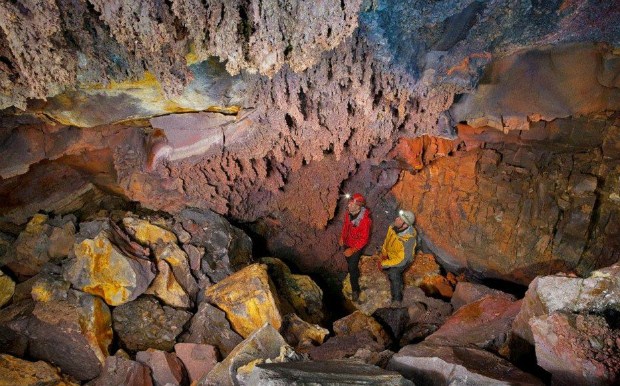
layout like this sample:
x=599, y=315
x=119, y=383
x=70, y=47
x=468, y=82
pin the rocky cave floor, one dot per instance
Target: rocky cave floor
x=141, y=298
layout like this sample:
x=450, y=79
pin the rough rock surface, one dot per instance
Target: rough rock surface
x=324, y=372
x=7, y=288
x=15, y=371
x=264, y=343
x=301, y=335
x=144, y=323
x=356, y=322
x=250, y=306
x=465, y=293
x=101, y=269
x=165, y=367
x=197, y=359
x=442, y=365
x=73, y=334
x=166, y=287
x=210, y=326
x=513, y=206
x=345, y=346
x=580, y=349
x=122, y=371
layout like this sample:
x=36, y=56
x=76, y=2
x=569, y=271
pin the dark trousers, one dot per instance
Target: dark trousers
x=354, y=270
x=396, y=281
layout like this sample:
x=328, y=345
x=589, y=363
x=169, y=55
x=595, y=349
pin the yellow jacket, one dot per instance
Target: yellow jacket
x=399, y=248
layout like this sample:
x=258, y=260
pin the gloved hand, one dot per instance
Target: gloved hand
x=349, y=251
x=340, y=242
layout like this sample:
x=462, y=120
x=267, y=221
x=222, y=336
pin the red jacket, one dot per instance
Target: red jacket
x=355, y=234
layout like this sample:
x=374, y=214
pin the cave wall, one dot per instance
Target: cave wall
x=514, y=206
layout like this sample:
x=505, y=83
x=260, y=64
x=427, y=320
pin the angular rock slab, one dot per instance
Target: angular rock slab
x=147, y=233
x=210, y=326
x=73, y=334
x=248, y=298
x=15, y=371
x=300, y=292
x=264, y=343
x=577, y=349
x=7, y=288
x=167, y=289
x=99, y=268
x=441, y=365
x=547, y=294
x=198, y=359
x=166, y=368
x=345, y=346
x=337, y=372
x=465, y=293
x=485, y=323
x=28, y=253
x=179, y=262
x=144, y=324
x=122, y=371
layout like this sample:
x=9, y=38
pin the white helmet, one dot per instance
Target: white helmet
x=407, y=216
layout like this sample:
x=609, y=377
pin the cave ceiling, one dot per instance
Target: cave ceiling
x=267, y=111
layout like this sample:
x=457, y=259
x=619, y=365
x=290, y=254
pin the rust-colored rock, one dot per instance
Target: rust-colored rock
x=123, y=371
x=301, y=335
x=250, y=306
x=356, y=322
x=165, y=367
x=147, y=233
x=166, y=288
x=7, y=288
x=198, y=359
x=15, y=371
x=466, y=293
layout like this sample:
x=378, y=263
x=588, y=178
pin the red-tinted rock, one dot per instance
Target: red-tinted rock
x=198, y=359
x=466, y=293
x=340, y=347
x=122, y=371
x=165, y=367
x=577, y=349
x=357, y=322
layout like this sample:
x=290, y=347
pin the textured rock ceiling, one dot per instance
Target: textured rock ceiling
x=266, y=111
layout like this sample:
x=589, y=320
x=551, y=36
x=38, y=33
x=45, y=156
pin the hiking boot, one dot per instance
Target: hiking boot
x=355, y=295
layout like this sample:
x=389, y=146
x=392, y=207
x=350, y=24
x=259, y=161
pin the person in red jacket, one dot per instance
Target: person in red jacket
x=354, y=237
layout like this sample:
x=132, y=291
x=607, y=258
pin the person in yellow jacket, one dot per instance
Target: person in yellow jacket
x=398, y=251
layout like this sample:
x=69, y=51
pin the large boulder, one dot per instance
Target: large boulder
x=577, y=348
x=424, y=272
x=324, y=372
x=465, y=293
x=227, y=249
x=147, y=233
x=358, y=321
x=452, y=365
x=15, y=371
x=165, y=367
x=546, y=294
x=247, y=306
x=426, y=315
x=345, y=346
x=264, y=343
x=485, y=323
x=144, y=324
x=101, y=269
x=73, y=333
x=7, y=288
x=299, y=293
x=210, y=326
x=179, y=262
x=120, y=371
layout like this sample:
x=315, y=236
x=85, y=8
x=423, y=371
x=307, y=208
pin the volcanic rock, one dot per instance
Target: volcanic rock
x=7, y=288
x=442, y=365
x=166, y=288
x=250, y=306
x=299, y=292
x=323, y=372
x=424, y=272
x=577, y=349
x=485, y=323
x=15, y=371
x=357, y=322
x=198, y=359
x=264, y=343
x=300, y=334
x=144, y=323
x=465, y=293
x=147, y=233
x=394, y=320
x=123, y=371
x=210, y=326
x=227, y=248
x=73, y=334
x=345, y=346
x=165, y=367
x=101, y=269
x=179, y=263
x=29, y=251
